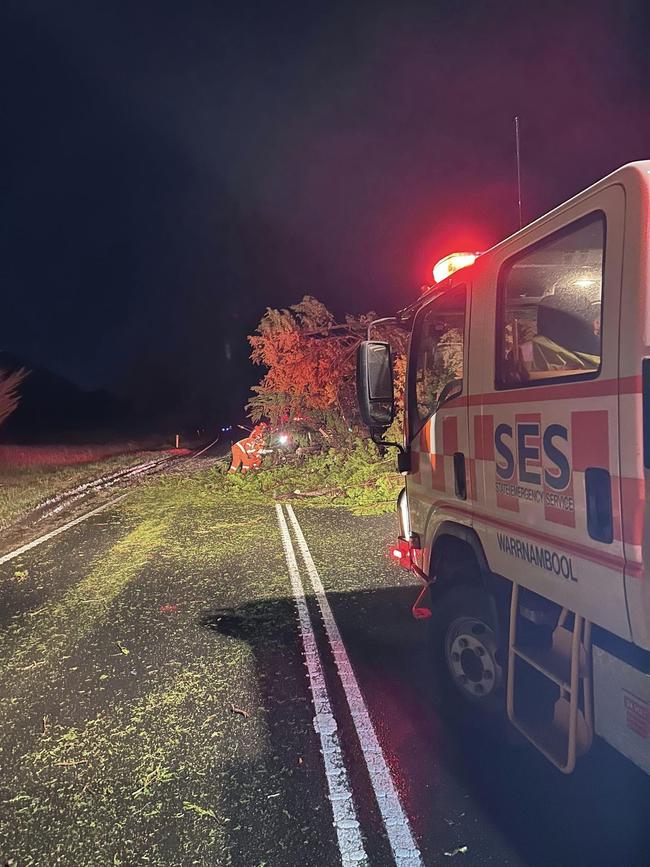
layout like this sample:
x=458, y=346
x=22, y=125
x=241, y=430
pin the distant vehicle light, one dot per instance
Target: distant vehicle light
x=454, y=262
x=283, y=438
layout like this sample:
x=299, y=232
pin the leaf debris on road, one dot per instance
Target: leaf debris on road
x=240, y=711
x=198, y=810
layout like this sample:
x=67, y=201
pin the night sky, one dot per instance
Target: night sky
x=168, y=169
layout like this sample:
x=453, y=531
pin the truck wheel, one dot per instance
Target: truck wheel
x=468, y=652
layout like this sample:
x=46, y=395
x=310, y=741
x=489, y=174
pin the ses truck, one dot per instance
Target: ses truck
x=526, y=457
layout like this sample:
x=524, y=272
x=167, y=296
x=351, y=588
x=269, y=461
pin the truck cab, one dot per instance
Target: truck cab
x=526, y=457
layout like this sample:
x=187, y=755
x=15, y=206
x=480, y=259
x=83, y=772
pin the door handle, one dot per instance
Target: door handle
x=460, y=477
x=598, y=490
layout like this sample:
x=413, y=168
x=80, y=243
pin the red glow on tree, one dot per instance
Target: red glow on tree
x=310, y=365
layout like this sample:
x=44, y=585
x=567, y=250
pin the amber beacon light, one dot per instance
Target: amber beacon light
x=454, y=262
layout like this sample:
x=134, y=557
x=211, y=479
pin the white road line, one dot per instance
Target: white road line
x=400, y=836
x=346, y=823
x=10, y=556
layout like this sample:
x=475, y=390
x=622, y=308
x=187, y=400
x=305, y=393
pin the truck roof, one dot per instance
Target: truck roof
x=637, y=172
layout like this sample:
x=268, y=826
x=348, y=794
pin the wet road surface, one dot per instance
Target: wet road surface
x=158, y=708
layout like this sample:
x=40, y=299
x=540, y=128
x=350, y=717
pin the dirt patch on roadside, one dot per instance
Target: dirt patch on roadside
x=71, y=504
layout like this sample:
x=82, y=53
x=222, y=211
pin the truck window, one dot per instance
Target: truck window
x=548, y=320
x=437, y=359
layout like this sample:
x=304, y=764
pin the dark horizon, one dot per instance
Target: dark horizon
x=169, y=172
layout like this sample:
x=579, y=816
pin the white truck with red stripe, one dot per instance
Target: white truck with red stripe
x=527, y=463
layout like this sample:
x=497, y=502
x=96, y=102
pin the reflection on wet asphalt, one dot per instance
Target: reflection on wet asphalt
x=500, y=799
x=156, y=707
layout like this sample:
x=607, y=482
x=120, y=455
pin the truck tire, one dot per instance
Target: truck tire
x=469, y=655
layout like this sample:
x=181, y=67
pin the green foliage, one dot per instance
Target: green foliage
x=357, y=479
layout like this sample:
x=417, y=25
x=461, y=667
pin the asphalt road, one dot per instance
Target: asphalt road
x=158, y=706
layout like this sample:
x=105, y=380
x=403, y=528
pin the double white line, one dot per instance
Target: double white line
x=351, y=845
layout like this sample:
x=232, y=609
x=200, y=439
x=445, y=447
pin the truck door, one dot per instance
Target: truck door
x=437, y=425
x=545, y=427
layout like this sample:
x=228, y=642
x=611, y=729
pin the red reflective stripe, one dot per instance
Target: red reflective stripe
x=450, y=434
x=590, y=439
x=610, y=560
x=557, y=391
x=484, y=437
x=507, y=501
x=633, y=509
x=560, y=391
x=438, y=472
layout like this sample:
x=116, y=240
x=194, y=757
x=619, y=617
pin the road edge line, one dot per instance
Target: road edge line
x=346, y=823
x=398, y=829
x=18, y=551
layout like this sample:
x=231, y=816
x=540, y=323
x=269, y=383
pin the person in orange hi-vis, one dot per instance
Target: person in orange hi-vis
x=246, y=452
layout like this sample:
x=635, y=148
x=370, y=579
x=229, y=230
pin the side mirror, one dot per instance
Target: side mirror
x=375, y=385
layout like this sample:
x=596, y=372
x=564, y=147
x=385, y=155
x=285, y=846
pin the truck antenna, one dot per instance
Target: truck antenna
x=521, y=222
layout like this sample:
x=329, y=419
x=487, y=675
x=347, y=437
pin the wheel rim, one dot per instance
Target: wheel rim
x=470, y=652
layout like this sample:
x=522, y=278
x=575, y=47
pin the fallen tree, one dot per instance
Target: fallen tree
x=309, y=380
